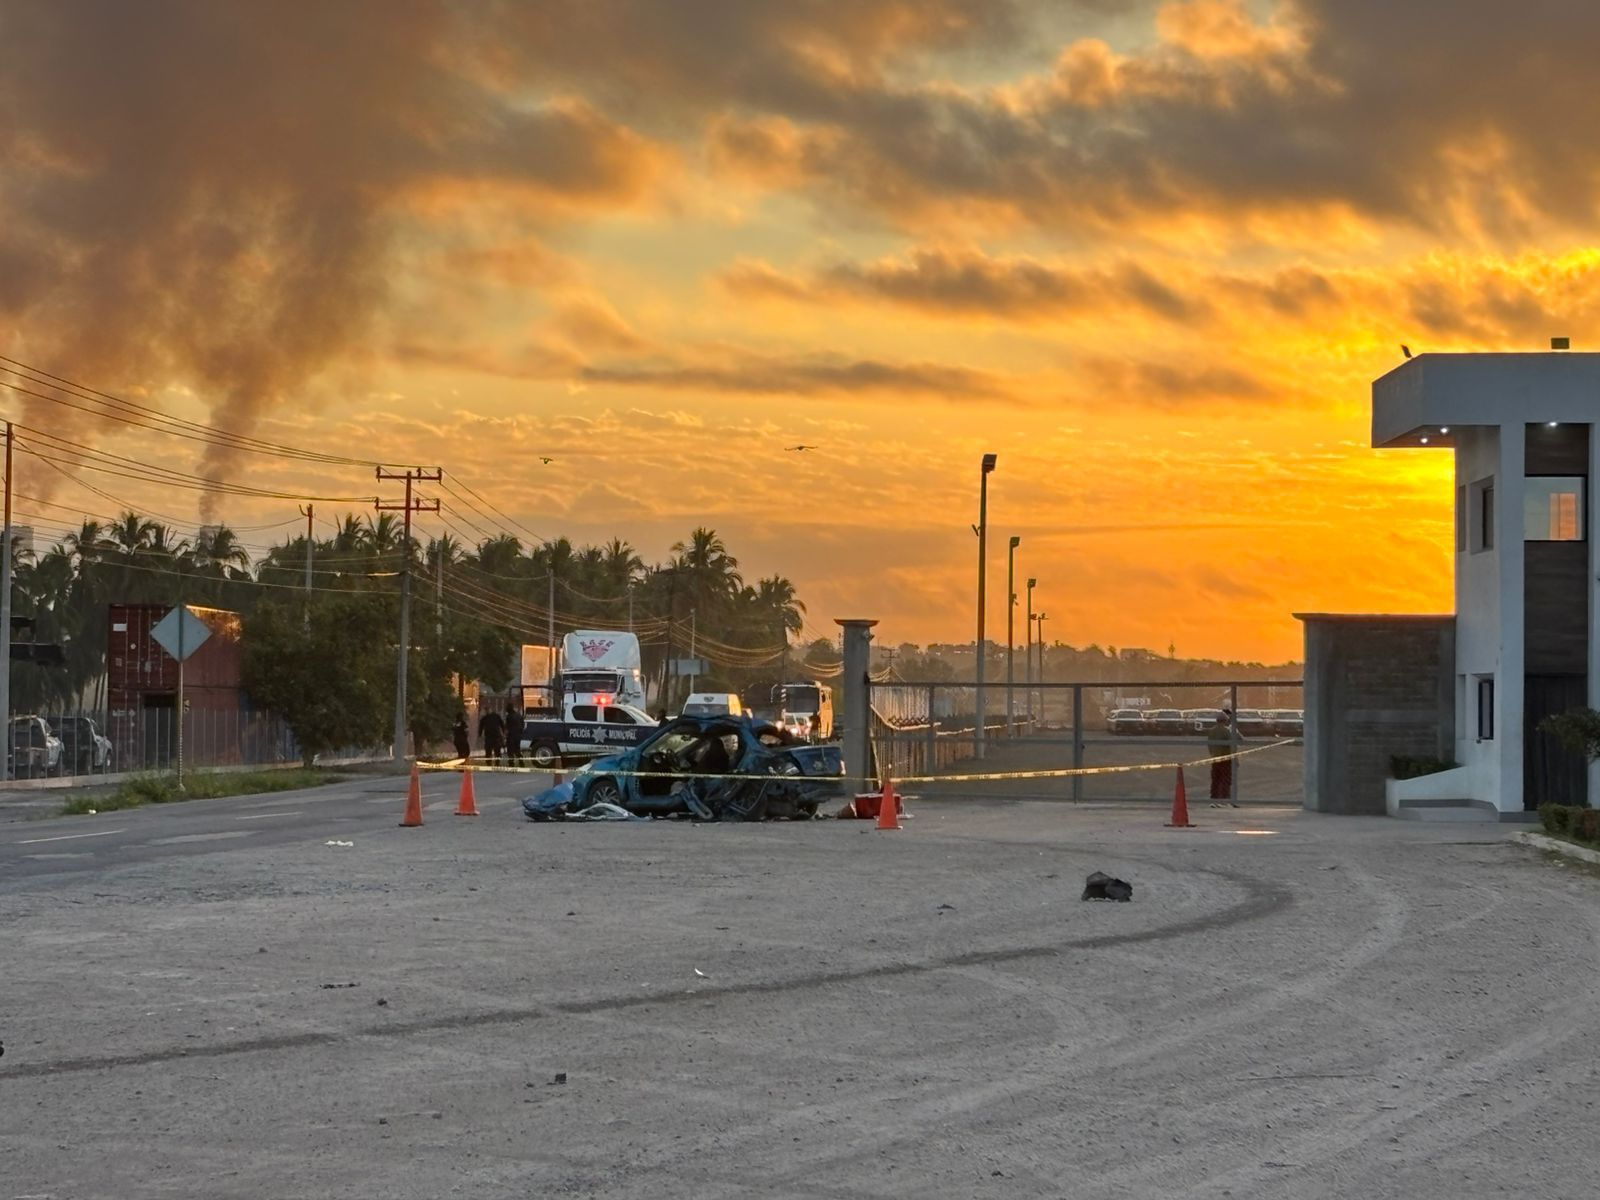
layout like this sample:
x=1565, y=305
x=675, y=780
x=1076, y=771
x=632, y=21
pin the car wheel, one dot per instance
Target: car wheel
x=545, y=754
x=605, y=791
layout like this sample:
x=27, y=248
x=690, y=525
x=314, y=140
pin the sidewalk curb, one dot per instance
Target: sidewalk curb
x=1540, y=842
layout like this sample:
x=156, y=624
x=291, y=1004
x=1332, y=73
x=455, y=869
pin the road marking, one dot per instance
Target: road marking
x=61, y=854
x=65, y=837
x=263, y=816
x=199, y=837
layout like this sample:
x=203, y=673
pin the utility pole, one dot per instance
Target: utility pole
x=630, y=606
x=403, y=660
x=551, y=615
x=438, y=593
x=5, y=602
x=691, y=651
x=308, y=511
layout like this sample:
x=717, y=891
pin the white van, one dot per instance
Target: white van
x=713, y=704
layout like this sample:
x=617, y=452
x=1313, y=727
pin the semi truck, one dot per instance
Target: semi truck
x=598, y=663
x=805, y=709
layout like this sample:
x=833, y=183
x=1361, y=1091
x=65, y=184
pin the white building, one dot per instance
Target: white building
x=1521, y=428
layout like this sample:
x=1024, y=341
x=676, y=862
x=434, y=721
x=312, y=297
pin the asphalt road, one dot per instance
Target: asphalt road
x=1292, y=1006
x=43, y=849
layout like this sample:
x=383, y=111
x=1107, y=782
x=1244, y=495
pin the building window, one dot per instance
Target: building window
x=1552, y=508
x=1461, y=518
x=1481, y=516
x=1486, y=708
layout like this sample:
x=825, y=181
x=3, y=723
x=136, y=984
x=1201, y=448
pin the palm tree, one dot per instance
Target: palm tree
x=383, y=535
x=351, y=537
x=620, y=565
x=775, y=599
x=217, y=552
x=131, y=532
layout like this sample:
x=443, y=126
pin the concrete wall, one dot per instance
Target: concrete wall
x=1376, y=686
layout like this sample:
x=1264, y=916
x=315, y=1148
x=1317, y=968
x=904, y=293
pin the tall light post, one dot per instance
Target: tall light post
x=1027, y=654
x=1011, y=635
x=1040, y=676
x=982, y=530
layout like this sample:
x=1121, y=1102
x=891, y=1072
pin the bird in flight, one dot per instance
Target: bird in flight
x=802, y=447
x=546, y=461
x=1405, y=349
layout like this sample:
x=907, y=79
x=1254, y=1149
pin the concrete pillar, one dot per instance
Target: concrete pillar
x=1591, y=518
x=1509, y=673
x=857, y=700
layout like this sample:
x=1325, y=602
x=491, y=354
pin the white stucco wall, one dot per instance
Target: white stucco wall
x=1482, y=404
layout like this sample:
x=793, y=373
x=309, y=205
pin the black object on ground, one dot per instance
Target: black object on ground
x=1101, y=886
x=561, y=1077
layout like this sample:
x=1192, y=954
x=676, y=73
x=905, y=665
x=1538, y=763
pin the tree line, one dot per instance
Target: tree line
x=324, y=657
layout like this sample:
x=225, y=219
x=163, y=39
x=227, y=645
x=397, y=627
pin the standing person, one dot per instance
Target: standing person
x=463, y=738
x=492, y=730
x=1221, y=741
x=513, y=733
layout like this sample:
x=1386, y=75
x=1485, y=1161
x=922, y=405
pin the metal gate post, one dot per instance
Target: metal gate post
x=857, y=698
x=1077, y=741
x=932, y=752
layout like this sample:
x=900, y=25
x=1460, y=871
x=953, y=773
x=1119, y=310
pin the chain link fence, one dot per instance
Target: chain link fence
x=84, y=745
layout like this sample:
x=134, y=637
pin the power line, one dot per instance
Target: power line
x=143, y=416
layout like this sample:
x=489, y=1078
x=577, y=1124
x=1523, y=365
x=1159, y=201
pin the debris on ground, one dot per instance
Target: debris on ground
x=561, y=1078
x=1100, y=886
x=327, y=987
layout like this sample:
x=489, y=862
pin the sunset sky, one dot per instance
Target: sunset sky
x=1150, y=254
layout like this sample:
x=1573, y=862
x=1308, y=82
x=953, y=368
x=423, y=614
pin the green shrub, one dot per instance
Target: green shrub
x=1410, y=766
x=1549, y=814
x=1560, y=820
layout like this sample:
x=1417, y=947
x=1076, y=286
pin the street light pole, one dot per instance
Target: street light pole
x=1040, y=676
x=982, y=530
x=1027, y=655
x=1011, y=636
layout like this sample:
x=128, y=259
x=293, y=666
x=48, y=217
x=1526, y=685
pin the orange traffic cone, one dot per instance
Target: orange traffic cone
x=467, y=806
x=888, y=806
x=413, y=801
x=1180, y=806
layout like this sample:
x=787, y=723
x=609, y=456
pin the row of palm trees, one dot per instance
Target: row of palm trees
x=698, y=594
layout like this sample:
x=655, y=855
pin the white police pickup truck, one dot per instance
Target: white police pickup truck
x=584, y=731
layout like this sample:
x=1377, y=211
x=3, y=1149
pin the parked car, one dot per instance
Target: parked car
x=84, y=749
x=1288, y=722
x=1198, y=720
x=1252, y=722
x=1125, y=720
x=1166, y=721
x=675, y=772
x=713, y=704
x=34, y=748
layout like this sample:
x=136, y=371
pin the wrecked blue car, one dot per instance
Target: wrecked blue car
x=714, y=768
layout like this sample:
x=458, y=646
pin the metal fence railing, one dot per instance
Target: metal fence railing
x=1123, y=741
x=84, y=745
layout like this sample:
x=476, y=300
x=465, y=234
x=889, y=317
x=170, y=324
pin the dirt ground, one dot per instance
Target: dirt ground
x=211, y=1001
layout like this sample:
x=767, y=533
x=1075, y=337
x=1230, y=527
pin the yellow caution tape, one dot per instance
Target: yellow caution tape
x=457, y=764
x=1069, y=772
